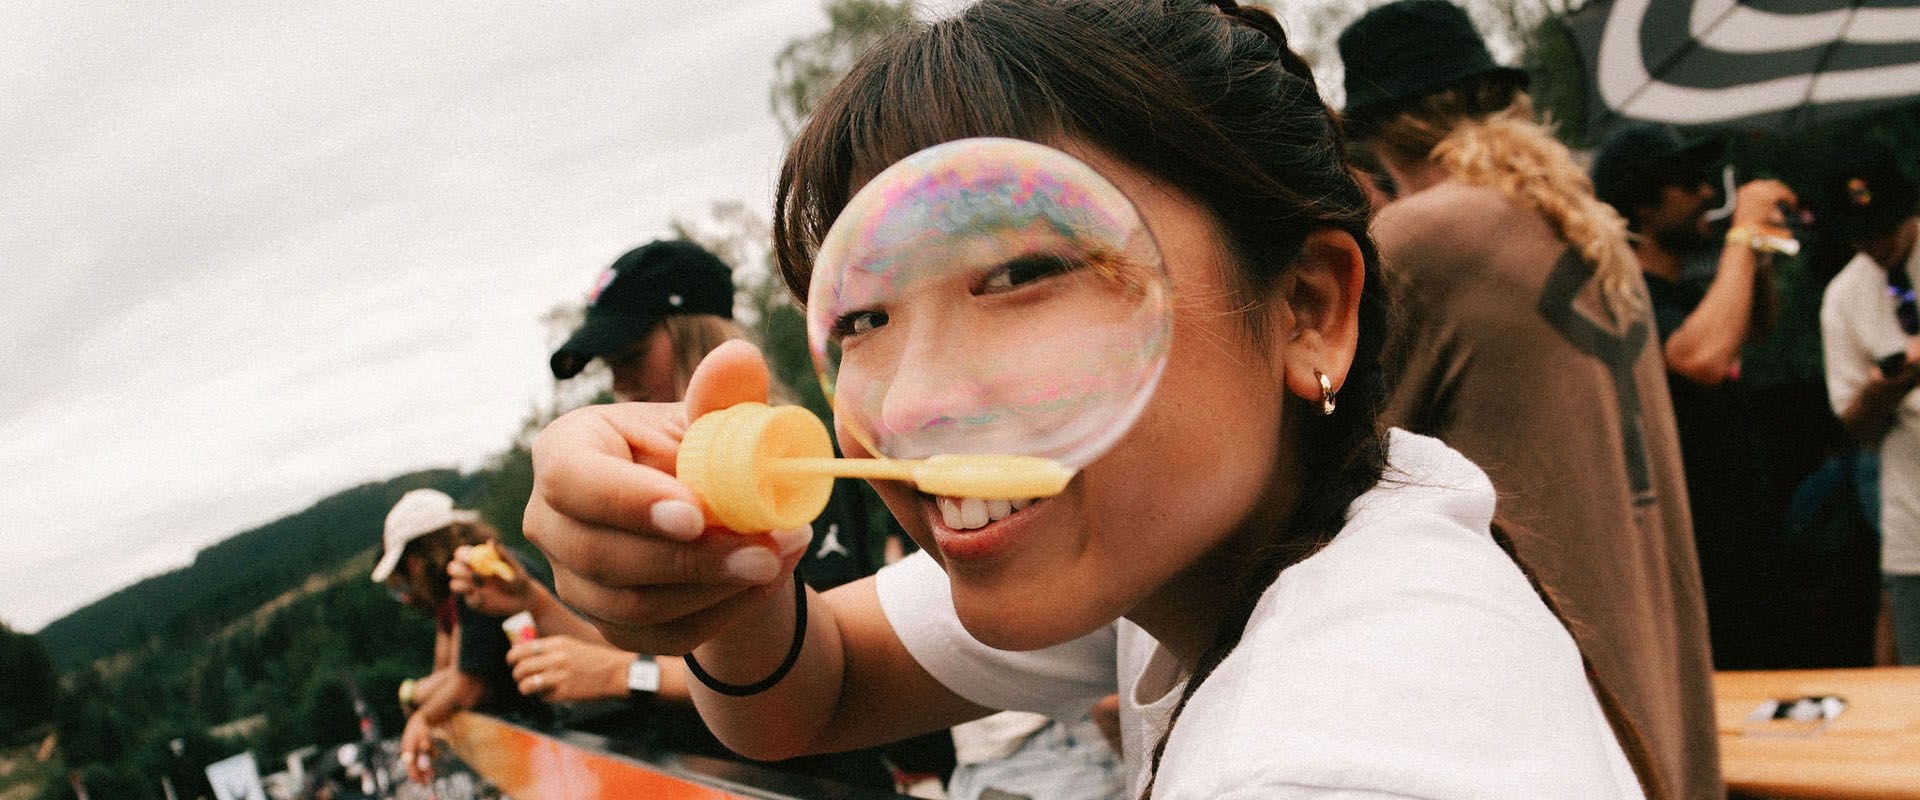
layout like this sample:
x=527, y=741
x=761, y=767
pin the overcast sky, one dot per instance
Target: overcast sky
x=255, y=254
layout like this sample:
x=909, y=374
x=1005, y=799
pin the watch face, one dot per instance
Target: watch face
x=643, y=675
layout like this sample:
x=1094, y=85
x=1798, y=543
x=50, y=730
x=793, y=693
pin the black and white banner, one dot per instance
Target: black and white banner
x=1771, y=63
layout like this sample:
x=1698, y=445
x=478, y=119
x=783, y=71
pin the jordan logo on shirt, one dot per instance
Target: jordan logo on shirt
x=1618, y=351
x=830, y=543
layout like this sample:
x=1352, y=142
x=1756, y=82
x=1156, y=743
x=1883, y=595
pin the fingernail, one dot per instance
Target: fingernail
x=678, y=518
x=422, y=761
x=753, y=564
x=792, y=540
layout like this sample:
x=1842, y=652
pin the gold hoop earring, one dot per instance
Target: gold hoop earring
x=1326, y=393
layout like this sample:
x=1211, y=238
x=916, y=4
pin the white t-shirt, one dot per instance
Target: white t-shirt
x=1858, y=328
x=1407, y=658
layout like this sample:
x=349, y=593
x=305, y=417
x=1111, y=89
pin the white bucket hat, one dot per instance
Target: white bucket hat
x=419, y=512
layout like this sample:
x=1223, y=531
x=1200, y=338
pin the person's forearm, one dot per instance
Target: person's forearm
x=443, y=650
x=674, y=682
x=552, y=617
x=1706, y=347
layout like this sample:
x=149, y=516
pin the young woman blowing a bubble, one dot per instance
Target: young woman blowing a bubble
x=1289, y=601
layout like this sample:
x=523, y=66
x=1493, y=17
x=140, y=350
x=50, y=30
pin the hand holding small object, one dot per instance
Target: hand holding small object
x=1760, y=218
x=498, y=596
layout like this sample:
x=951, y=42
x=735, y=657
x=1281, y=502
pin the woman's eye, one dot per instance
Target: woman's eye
x=859, y=322
x=1026, y=269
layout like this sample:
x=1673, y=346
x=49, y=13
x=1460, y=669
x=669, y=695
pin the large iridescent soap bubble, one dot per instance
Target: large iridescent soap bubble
x=989, y=296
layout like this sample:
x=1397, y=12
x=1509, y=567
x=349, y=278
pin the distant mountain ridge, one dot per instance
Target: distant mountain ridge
x=229, y=580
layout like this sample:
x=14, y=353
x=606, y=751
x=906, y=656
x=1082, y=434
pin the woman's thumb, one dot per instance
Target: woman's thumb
x=733, y=373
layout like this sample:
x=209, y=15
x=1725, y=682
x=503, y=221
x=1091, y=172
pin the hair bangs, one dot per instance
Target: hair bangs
x=958, y=78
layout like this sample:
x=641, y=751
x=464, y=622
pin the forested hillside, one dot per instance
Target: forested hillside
x=234, y=577
x=253, y=646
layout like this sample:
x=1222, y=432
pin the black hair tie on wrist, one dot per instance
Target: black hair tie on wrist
x=786, y=666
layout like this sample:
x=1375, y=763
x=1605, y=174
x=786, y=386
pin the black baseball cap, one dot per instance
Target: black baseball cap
x=1638, y=160
x=648, y=284
x=1863, y=194
x=1407, y=50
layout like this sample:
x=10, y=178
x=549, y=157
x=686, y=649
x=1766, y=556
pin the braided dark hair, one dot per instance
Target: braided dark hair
x=1262, y=20
x=1205, y=95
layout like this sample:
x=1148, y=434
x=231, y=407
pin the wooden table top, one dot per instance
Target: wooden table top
x=1870, y=750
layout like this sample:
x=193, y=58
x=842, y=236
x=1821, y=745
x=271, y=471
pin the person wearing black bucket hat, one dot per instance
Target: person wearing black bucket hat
x=1404, y=51
x=1870, y=331
x=1523, y=340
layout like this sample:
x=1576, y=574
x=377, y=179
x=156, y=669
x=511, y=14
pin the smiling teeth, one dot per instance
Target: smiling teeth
x=967, y=513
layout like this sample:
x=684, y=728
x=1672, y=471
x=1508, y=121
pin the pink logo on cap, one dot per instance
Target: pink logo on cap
x=600, y=284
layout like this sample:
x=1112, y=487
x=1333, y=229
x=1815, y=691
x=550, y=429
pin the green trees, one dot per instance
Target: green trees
x=808, y=66
x=28, y=690
x=232, y=579
x=272, y=683
x=253, y=641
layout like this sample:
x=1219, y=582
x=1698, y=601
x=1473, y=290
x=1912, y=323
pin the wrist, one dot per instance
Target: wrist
x=793, y=641
x=1759, y=240
x=756, y=641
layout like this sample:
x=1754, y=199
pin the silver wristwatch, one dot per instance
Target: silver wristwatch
x=643, y=675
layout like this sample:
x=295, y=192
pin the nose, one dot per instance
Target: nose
x=935, y=395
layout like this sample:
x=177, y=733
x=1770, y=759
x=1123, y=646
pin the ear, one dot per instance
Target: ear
x=1317, y=316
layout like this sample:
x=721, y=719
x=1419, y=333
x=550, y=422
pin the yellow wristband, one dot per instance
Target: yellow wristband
x=1751, y=238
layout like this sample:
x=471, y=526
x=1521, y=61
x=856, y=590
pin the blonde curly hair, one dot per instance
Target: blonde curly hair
x=694, y=336
x=1484, y=133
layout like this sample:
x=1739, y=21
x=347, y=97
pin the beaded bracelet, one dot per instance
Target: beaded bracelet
x=786, y=666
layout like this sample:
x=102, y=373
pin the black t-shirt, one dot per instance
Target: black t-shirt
x=1724, y=441
x=483, y=652
x=849, y=539
x=1731, y=443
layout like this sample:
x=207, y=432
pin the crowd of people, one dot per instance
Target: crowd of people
x=1468, y=466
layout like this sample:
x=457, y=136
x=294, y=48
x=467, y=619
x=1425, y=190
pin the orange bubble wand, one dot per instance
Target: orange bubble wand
x=762, y=468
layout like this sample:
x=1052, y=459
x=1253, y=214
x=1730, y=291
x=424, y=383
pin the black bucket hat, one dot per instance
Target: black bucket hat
x=648, y=284
x=1410, y=49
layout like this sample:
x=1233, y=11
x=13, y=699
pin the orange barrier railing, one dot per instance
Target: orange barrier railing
x=527, y=765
